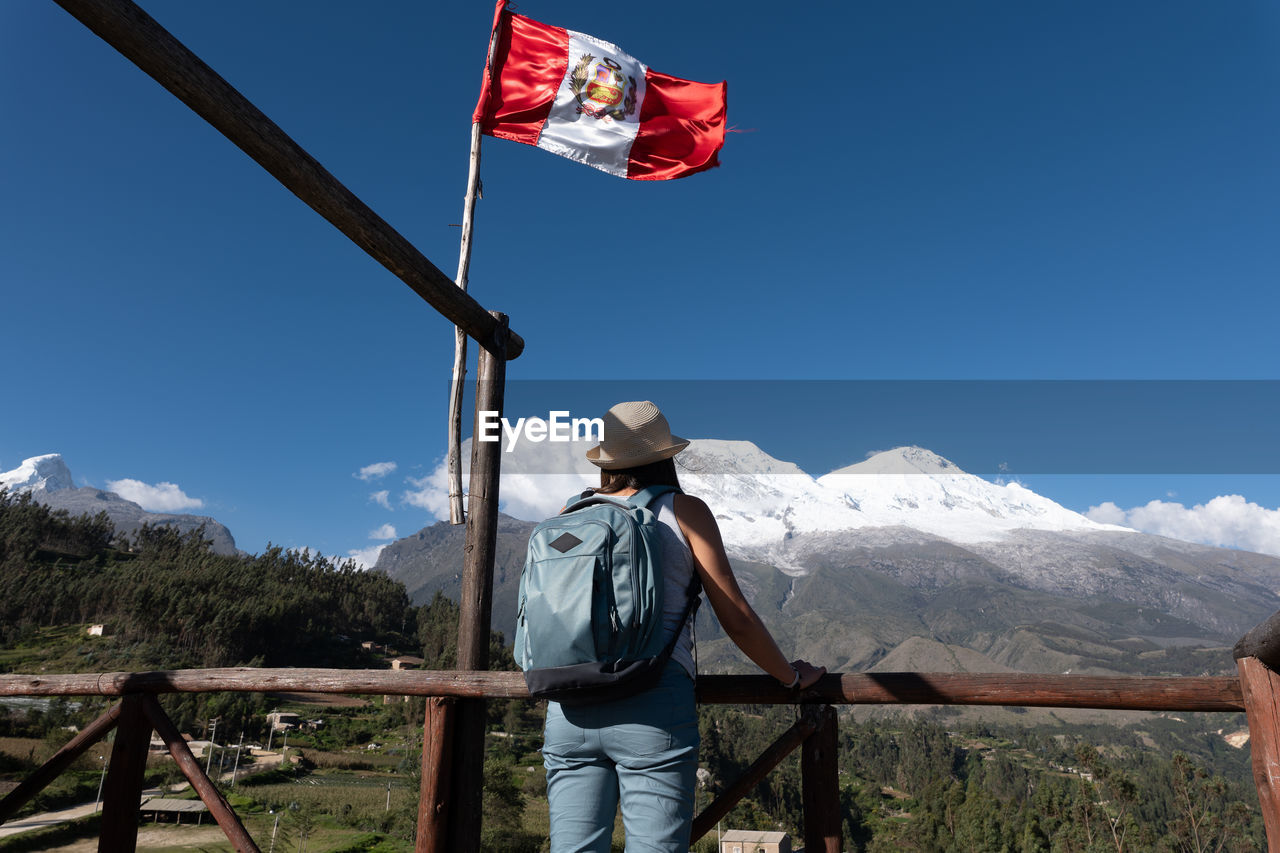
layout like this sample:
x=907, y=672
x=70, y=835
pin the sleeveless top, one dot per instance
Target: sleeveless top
x=677, y=572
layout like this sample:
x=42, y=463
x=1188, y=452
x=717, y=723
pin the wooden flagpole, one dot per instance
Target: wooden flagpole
x=456, y=515
x=474, y=191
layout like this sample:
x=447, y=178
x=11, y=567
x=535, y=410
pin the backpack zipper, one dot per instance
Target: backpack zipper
x=527, y=656
x=615, y=621
x=635, y=569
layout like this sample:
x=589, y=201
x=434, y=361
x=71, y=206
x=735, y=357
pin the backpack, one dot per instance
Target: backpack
x=589, y=624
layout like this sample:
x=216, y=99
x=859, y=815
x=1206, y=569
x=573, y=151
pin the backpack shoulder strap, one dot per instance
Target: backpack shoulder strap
x=649, y=494
x=577, y=498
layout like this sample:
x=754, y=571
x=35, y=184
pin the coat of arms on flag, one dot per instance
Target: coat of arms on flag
x=588, y=100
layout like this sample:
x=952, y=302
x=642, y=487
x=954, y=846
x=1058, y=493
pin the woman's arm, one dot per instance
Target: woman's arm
x=736, y=615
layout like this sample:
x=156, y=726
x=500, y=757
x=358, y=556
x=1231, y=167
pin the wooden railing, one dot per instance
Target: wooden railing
x=815, y=731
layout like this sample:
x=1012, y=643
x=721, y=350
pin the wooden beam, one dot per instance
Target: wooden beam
x=58, y=762
x=752, y=776
x=209, y=795
x=437, y=769
x=151, y=47
x=122, y=793
x=881, y=688
x=476, y=605
x=820, y=785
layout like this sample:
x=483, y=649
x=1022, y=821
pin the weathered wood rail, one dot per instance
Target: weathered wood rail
x=1221, y=693
x=445, y=826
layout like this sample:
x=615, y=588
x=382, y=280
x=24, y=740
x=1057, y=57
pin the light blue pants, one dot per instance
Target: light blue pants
x=641, y=751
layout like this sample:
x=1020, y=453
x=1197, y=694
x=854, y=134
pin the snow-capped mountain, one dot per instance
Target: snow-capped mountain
x=47, y=473
x=763, y=504
x=48, y=479
x=914, y=487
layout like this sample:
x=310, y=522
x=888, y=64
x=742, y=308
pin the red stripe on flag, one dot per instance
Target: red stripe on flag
x=528, y=65
x=681, y=128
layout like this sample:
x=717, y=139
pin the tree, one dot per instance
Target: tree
x=1118, y=793
x=1207, y=819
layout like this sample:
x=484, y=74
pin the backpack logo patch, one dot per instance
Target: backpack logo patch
x=565, y=543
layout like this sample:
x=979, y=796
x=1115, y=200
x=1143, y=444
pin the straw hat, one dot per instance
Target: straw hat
x=635, y=434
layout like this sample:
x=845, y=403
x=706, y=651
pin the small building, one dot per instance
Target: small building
x=283, y=720
x=200, y=748
x=754, y=841
x=164, y=808
x=406, y=662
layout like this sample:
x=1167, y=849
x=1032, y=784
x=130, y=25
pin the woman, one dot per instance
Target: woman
x=643, y=750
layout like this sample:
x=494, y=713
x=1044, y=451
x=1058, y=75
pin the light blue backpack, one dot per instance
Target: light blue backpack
x=589, y=625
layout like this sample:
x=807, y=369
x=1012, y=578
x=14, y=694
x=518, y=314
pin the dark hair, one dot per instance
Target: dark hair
x=660, y=473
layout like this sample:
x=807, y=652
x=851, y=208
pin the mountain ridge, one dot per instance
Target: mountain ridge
x=48, y=480
x=906, y=548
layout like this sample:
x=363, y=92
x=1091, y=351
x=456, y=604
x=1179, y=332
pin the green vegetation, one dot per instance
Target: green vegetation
x=168, y=601
x=913, y=784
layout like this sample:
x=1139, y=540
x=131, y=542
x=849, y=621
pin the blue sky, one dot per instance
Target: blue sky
x=920, y=191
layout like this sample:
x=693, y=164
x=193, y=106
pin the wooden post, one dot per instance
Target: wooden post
x=1257, y=659
x=122, y=794
x=477, y=600
x=59, y=761
x=1261, y=689
x=209, y=795
x=821, y=786
x=437, y=768
x=170, y=63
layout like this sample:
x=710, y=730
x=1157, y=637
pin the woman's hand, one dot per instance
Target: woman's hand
x=809, y=674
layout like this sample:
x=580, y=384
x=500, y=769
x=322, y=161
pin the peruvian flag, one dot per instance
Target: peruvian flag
x=586, y=99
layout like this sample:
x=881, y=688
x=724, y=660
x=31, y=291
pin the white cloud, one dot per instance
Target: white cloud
x=1227, y=521
x=375, y=471
x=162, y=497
x=431, y=492
x=382, y=498
x=1107, y=513
x=365, y=557
x=537, y=478
x=386, y=531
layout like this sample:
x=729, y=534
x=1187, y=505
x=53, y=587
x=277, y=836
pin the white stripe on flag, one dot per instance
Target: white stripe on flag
x=596, y=113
